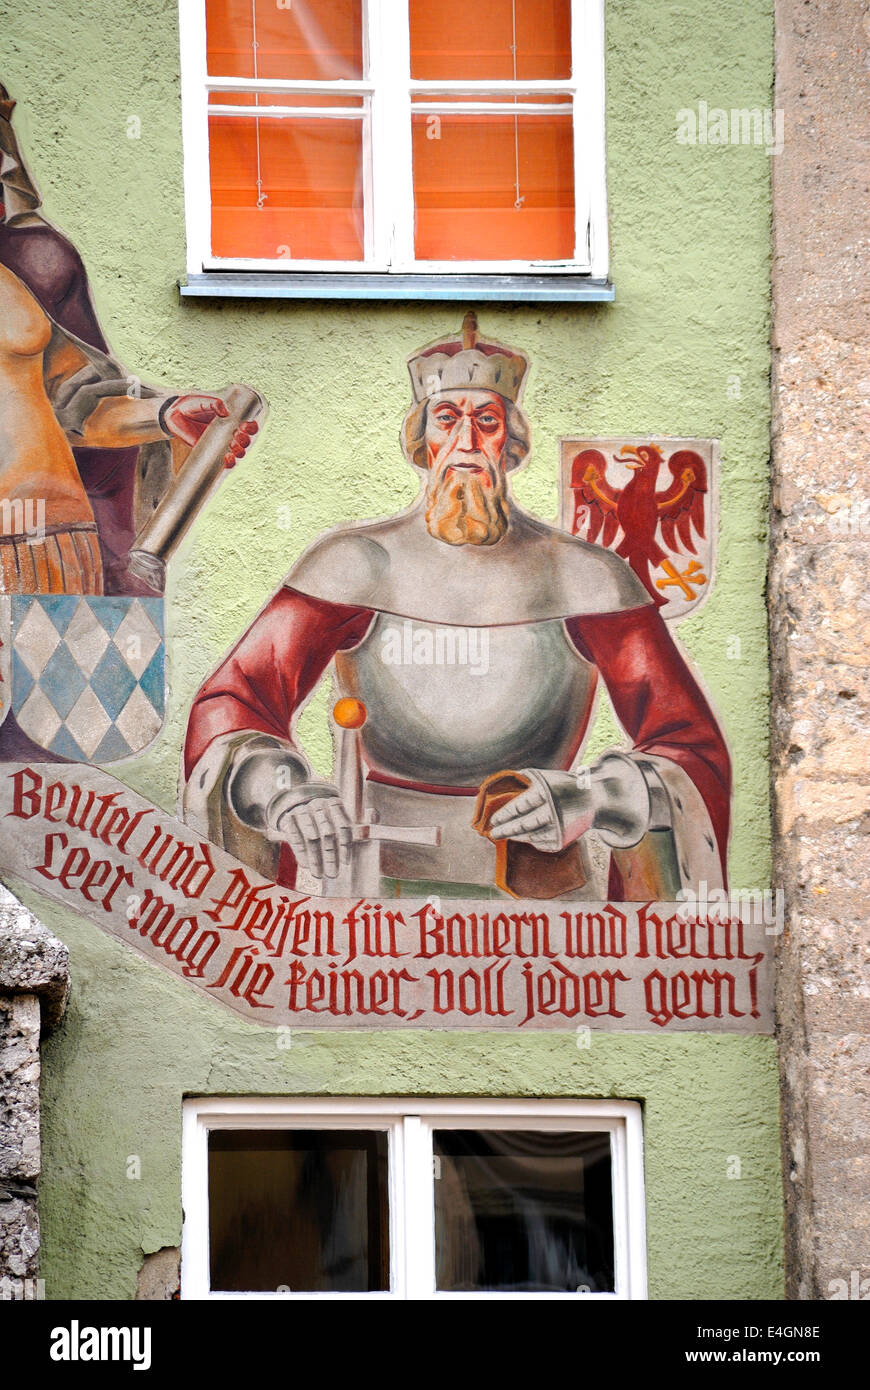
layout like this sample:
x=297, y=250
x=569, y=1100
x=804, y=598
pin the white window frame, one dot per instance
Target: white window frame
x=409, y=1123
x=387, y=168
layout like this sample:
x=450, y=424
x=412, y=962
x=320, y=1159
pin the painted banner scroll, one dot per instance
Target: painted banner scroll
x=288, y=960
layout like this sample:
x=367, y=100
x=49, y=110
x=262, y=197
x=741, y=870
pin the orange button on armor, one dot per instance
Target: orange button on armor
x=349, y=713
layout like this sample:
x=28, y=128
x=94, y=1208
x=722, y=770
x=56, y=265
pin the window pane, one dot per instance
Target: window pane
x=523, y=1211
x=433, y=96
x=310, y=100
x=287, y=188
x=493, y=188
x=295, y=39
x=301, y=1209
x=445, y=44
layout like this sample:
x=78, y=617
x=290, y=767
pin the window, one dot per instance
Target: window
x=394, y=137
x=363, y=1198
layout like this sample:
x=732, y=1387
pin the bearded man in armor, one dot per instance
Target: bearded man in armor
x=486, y=754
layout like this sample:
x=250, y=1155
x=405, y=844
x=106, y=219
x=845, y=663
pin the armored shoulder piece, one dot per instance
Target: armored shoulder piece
x=345, y=566
x=535, y=573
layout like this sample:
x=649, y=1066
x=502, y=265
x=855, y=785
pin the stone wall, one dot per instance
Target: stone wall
x=34, y=984
x=820, y=630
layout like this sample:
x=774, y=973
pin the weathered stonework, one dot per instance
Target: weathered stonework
x=34, y=985
x=19, y=1239
x=19, y=1068
x=820, y=635
x=160, y=1276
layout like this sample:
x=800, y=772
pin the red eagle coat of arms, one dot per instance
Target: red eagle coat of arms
x=651, y=500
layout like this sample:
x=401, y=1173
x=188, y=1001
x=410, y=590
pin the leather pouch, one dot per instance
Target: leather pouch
x=520, y=869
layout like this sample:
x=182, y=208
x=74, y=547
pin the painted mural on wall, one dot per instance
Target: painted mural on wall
x=464, y=866
x=100, y=476
x=467, y=640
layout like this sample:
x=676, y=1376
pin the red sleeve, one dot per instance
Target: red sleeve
x=659, y=703
x=269, y=672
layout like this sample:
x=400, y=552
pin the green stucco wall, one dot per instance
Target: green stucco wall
x=683, y=351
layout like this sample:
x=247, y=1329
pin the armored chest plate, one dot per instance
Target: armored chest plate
x=447, y=706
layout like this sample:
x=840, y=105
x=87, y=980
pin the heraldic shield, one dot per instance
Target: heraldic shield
x=88, y=674
x=652, y=500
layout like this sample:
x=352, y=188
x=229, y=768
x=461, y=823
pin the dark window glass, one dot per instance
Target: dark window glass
x=300, y=1210
x=523, y=1211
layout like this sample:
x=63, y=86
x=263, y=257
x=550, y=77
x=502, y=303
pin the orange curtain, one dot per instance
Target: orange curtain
x=299, y=39
x=497, y=187
x=486, y=187
x=455, y=39
x=311, y=179
x=289, y=188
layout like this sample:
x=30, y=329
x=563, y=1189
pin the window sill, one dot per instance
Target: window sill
x=517, y=289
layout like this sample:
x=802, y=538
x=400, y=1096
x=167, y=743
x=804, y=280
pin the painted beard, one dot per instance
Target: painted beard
x=467, y=508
